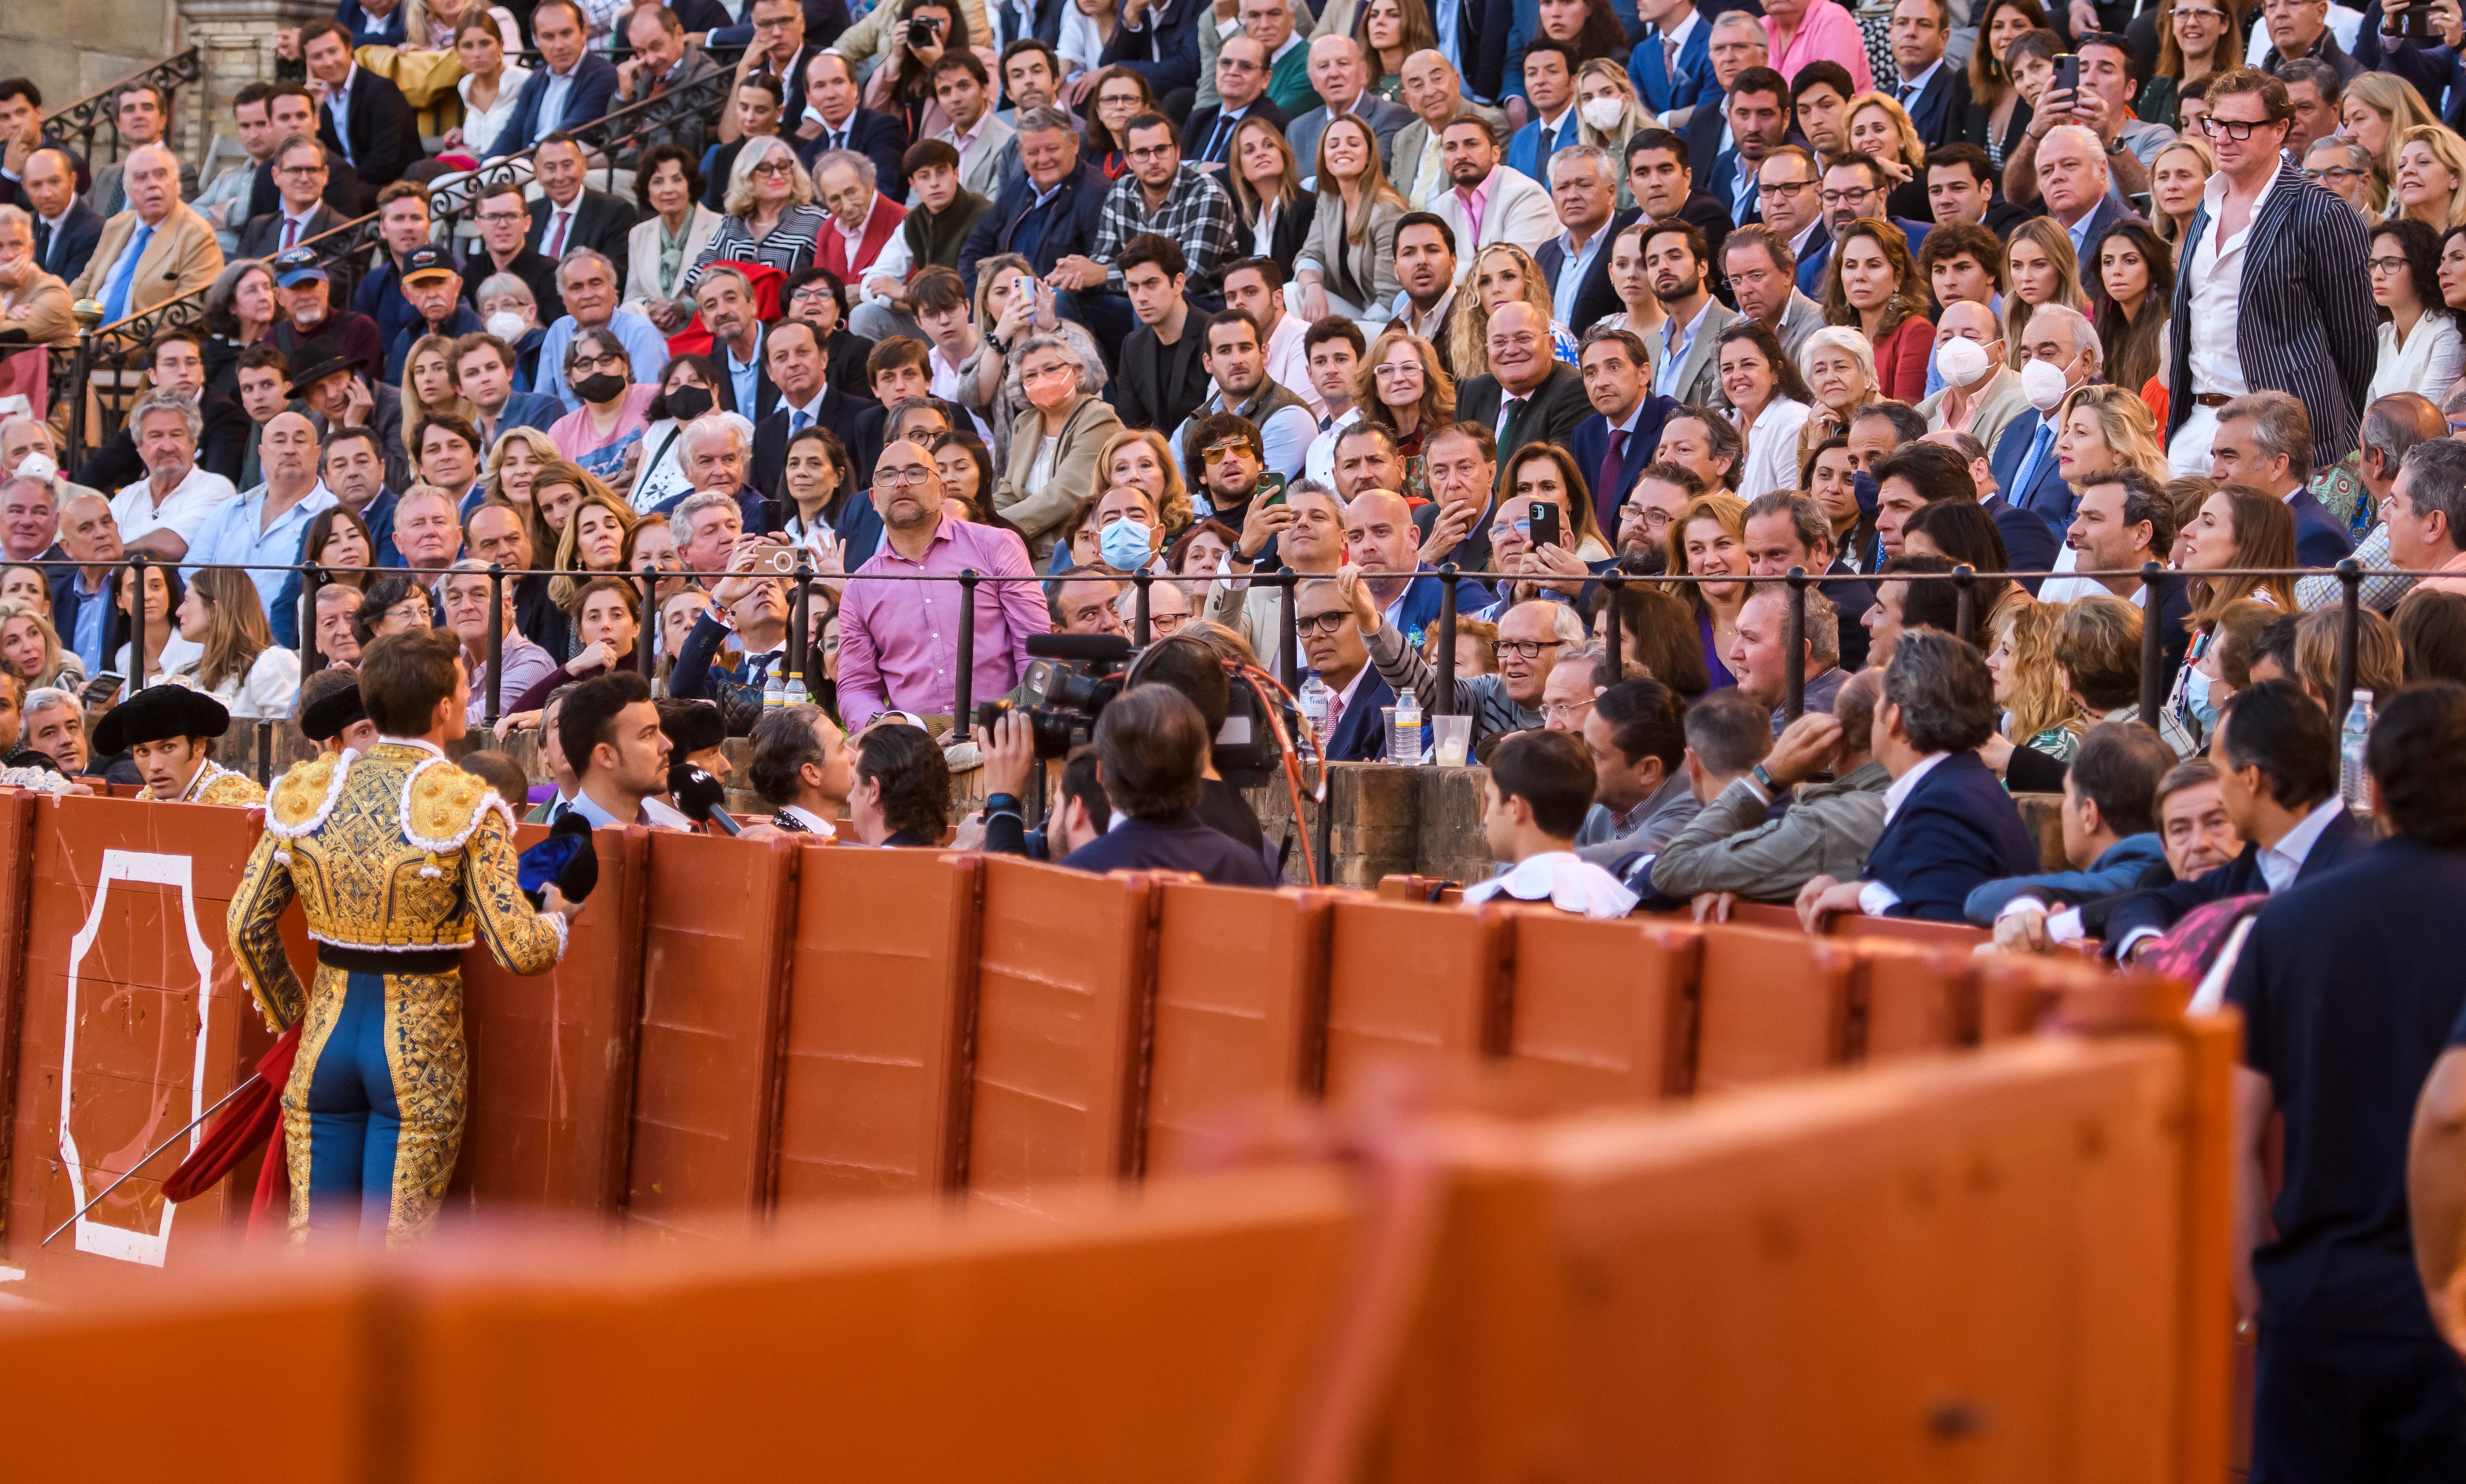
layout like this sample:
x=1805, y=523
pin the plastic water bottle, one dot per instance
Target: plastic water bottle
x=1406, y=746
x=775, y=689
x=1314, y=698
x=796, y=694
x=2354, y=780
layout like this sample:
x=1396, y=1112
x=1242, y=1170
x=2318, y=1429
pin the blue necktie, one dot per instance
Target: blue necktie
x=2038, y=448
x=797, y=423
x=115, y=293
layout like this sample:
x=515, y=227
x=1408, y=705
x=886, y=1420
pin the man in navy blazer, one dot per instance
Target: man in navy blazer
x=2264, y=442
x=1672, y=65
x=66, y=252
x=2023, y=459
x=1160, y=43
x=1331, y=643
x=586, y=82
x=1939, y=106
x=2350, y=999
x=379, y=136
x=1618, y=381
x=1949, y=827
x=1152, y=747
x=1043, y=234
x=837, y=121
x=2276, y=752
x=1596, y=296
x=368, y=29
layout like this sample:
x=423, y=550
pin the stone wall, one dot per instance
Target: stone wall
x=70, y=50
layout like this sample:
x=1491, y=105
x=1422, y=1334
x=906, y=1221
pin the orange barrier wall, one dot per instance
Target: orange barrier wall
x=1061, y=996
x=715, y=926
x=1240, y=1007
x=16, y=861
x=553, y=1056
x=1606, y=1008
x=881, y=999
x=156, y=1038
x=1773, y=1004
x=1411, y=983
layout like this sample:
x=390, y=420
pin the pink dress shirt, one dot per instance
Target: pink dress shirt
x=899, y=641
x=1825, y=34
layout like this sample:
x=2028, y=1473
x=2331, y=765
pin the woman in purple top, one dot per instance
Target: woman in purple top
x=1709, y=539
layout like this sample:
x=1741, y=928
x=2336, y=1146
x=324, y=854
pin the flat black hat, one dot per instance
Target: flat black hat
x=159, y=713
x=692, y=726
x=324, y=719
x=317, y=360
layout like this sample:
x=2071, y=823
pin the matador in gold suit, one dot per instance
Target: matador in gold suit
x=400, y=861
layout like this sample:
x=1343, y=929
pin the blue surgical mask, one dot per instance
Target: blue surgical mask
x=1126, y=544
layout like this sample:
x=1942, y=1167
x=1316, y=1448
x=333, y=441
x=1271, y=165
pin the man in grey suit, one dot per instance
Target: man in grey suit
x=1689, y=367
x=1342, y=79
x=1764, y=278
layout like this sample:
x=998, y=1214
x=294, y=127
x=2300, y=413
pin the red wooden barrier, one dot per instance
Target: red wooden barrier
x=17, y=862
x=1772, y=1005
x=1607, y=1008
x=714, y=976
x=881, y=989
x=1411, y=982
x=1240, y=1006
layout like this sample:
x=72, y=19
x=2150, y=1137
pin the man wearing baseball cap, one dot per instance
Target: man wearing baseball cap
x=301, y=286
x=168, y=731
x=435, y=290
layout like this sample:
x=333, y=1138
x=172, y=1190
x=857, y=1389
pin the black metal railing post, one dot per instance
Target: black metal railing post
x=137, y=625
x=1443, y=704
x=2153, y=644
x=1793, y=684
x=1288, y=634
x=312, y=582
x=964, y=677
x=1614, y=583
x=1964, y=588
x=800, y=643
x=644, y=660
x=2351, y=601
x=1142, y=630
x=497, y=640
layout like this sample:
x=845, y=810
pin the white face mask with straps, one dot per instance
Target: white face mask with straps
x=1962, y=361
x=2044, y=382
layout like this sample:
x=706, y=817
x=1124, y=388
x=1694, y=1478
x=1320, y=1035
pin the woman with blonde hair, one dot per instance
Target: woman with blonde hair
x=2044, y=270
x=1709, y=539
x=2195, y=38
x=2176, y=176
x=514, y=462
x=238, y=663
x=2038, y=712
x=1501, y=273
x=1402, y=387
x=1839, y=368
x=1348, y=266
x=1880, y=129
x=32, y=648
x=1267, y=196
x=771, y=218
x=2377, y=111
x=1388, y=32
x=1141, y=457
x=2101, y=428
x=1598, y=85
x=1004, y=315
x=428, y=384
x=2097, y=654
x=1872, y=285
x=2431, y=181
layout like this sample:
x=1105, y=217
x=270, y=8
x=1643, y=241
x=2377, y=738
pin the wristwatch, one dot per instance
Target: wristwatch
x=1765, y=781
x=1002, y=803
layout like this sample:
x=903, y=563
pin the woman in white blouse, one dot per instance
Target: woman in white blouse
x=1267, y=194
x=1769, y=401
x=669, y=238
x=489, y=88
x=2420, y=348
x=240, y=665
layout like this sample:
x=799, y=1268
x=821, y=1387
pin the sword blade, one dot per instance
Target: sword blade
x=254, y=1078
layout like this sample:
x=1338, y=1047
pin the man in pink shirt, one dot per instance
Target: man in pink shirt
x=899, y=646
x=1798, y=32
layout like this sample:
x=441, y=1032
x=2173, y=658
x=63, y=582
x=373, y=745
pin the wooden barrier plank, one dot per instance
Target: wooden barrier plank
x=155, y=1040
x=17, y=868
x=882, y=991
x=714, y=975
x=1061, y=974
x=1606, y=1008
x=1410, y=983
x=553, y=1056
x=1917, y=1000
x=1240, y=1006
x=1769, y=1005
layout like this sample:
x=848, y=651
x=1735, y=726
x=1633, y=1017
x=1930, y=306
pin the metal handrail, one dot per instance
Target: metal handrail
x=114, y=345
x=100, y=109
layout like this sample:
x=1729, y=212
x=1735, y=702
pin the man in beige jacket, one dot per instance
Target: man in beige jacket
x=155, y=251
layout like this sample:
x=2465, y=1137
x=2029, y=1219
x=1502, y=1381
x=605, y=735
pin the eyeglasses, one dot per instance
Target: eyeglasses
x=2237, y=129
x=1845, y=197
x=1217, y=453
x=1400, y=368
x=1650, y=516
x=502, y=217
x=300, y=170
x=810, y=293
x=587, y=362
x=1565, y=710
x=1787, y=188
x=412, y=608
x=1328, y=624
x=896, y=479
x=1523, y=342
x=2387, y=264
x=1526, y=648
x=2335, y=173
x=2185, y=12
x=773, y=169
x=1150, y=152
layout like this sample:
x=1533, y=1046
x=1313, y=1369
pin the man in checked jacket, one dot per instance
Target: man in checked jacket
x=1181, y=203
x=2272, y=294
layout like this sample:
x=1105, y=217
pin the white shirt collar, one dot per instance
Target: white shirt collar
x=2282, y=861
x=856, y=233
x=811, y=821
x=1685, y=27
x=1345, y=696
x=1920, y=81
x=1907, y=784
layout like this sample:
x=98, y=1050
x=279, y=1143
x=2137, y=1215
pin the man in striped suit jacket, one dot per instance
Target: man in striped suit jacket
x=2287, y=272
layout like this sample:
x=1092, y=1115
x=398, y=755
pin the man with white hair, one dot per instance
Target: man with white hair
x=2077, y=187
x=1434, y=90
x=587, y=282
x=1575, y=264
x=162, y=513
x=1342, y=79
x=30, y=520
x=863, y=244
x=2024, y=458
x=156, y=250
x=707, y=523
x=717, y=457
x=2340, y=163
x=55, y=724
x=1981, y=395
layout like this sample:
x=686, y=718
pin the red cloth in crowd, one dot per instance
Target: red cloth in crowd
x=880, y=224
x=1901, y=359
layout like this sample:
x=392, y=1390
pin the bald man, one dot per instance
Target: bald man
x=1985, y=398
x=1380, y=537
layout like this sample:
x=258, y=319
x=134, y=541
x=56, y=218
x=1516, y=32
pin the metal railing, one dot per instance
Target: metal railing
x=118, y=350
x=98, y=112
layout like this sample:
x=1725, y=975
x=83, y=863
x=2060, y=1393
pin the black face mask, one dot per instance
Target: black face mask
x=686, y=403
x=602, y=386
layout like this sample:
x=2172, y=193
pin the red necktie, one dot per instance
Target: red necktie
x=290, y=233
x=1605, y=496
x=556, y=238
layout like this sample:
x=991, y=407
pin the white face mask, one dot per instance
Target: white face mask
x=1602, y=113
x=2043, y=383
x=36, y=466
x=1962, y=362
x=506, y=325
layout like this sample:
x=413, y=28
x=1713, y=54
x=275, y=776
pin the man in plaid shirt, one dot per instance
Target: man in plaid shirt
x=1179, y=202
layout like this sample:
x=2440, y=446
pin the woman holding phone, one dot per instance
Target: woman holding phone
x=1012, y=304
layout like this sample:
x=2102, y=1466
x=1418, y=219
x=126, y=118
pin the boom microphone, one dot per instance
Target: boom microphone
x=700, y=796
x=1100, y=648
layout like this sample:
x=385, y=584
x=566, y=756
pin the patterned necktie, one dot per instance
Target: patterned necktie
x=1670, y=58
x=1613, y=465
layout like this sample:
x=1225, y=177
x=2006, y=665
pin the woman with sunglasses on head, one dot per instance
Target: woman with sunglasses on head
x=1402, y=387
x=771, y=218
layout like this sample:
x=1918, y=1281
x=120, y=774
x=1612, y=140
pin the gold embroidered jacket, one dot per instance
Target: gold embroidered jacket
x=396, y=850
x=214, y=786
